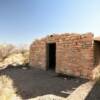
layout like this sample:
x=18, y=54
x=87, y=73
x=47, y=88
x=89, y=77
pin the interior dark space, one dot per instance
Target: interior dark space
x=51, y=56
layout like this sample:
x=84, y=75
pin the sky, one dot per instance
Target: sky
x=22, y=21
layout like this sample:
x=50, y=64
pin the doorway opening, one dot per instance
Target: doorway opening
x=51, y=56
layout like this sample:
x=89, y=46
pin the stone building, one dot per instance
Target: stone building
x=69, y=53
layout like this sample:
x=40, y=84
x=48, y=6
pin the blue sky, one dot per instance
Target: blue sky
x=22, y=21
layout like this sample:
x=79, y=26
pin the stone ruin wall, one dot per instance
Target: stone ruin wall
x=74, y=53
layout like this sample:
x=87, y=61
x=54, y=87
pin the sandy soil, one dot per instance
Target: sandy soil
x=32, y=83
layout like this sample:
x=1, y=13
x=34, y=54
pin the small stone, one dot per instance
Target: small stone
x=24, y=68
x=65, y=78
x=77, y=81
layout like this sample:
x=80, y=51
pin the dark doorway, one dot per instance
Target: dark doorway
x=51, y=56
x=97, y=52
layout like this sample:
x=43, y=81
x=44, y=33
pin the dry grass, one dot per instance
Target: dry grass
x=11, y=55
x=7, y=91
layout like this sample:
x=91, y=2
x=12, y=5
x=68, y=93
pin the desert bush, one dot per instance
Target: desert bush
x=7, y=90
x=5, y=50
x=26, y=57
x=12, y=55
x=23, y=48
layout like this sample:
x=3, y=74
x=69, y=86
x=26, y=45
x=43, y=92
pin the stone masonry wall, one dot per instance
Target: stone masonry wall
x=38, y=55
x=74, y=53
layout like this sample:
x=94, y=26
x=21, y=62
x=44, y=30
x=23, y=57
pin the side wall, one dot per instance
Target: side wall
x=74, y=54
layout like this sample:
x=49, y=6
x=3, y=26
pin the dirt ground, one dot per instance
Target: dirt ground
x=31, y=83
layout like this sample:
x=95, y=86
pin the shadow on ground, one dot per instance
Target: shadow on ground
x=31, y=83
x=94, y=93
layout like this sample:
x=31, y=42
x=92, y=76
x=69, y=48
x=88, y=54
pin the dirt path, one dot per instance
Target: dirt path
x=34, y=82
